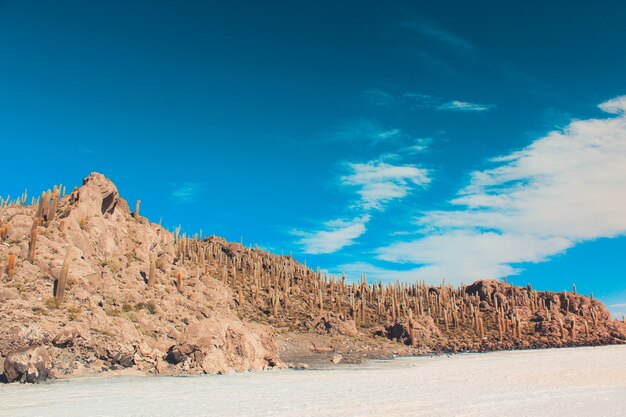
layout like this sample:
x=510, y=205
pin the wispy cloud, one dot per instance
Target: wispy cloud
x=187, y=192
x=379, y=98
x=429, y=102
x=378, y=182
x=465, y=106
x=369, y=132
x=565, y=188
x=335, y=235
x=415, y=101
x=440, y=35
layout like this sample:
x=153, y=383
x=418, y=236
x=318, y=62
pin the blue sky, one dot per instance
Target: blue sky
x=406, y=140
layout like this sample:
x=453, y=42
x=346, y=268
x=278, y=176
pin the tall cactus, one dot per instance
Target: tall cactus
x=33, y=240
x=136, y=213
x=179, y=281
x=11, y=259
x=152, y=272
x=62, y=281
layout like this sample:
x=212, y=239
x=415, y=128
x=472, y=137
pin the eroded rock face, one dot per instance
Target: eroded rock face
x=28, y=364
x=420, y=330
x=99, y=197
x=333, y=325
x=218, y=346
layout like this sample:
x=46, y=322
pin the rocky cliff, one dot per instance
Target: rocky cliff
x=88, y=286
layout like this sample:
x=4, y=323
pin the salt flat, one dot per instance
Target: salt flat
x=557, y=382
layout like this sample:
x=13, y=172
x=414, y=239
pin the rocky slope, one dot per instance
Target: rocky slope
x=103, y=289
x=110, y=318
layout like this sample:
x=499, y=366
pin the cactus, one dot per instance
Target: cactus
x=62, y=281
x=4, y=231
x=52, y=209
x=136, y=213
x=33, y=240
x=179, y=281
x=152, y=272
x=11, y=265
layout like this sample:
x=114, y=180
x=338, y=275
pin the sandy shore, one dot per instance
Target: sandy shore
x=555, y=382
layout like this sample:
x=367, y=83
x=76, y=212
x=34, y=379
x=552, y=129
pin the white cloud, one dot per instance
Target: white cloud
x=187, y=192
x=378, y=182
x=565, y=188
x=614, y=106
x=468, y=255
x=335, y=235
x=464, y=106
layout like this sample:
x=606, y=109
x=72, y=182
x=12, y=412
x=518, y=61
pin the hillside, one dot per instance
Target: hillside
x=89, y=286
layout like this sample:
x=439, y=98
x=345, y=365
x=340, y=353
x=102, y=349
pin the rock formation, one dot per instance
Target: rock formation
x=86, y=286
x=108, y=317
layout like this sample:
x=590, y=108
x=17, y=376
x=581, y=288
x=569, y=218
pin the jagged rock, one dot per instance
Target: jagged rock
x=125, y=360
x=333, y=325
x=230, y=345
x=180, y=353
x=424, y=331
x=399, y=332
x=485, y=290
x=65, y=338
x=28, y=364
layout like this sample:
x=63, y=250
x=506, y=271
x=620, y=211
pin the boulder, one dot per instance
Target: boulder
x=28, y=364
x=423, y=330
x=337, y=359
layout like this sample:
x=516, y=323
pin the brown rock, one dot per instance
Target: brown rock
x=28, y=364
x=331, y=324
x=337, y=359
x=65, y=338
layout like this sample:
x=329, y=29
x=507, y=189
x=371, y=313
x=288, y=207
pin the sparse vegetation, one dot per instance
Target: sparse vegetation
x=149, y=306
x=113, y=264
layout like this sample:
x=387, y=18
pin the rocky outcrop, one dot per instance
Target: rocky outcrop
x=333, y=325
x=109, y=318
x=214, y=346
x=28, y=364
x=421, y=329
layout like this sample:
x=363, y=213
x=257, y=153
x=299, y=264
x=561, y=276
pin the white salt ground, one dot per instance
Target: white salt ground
x=557, y=382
